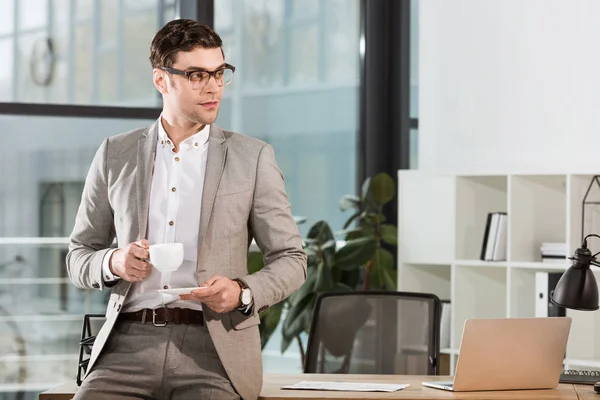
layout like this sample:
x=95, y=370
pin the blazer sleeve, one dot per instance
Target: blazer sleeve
x=276, y=234
x=94, y=229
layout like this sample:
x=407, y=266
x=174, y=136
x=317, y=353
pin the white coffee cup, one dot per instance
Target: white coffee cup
x=166, y=256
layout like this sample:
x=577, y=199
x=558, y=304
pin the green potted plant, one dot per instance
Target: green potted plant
x=362, y=261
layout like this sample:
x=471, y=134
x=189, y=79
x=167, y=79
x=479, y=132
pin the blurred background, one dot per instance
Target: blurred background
x=331, y=84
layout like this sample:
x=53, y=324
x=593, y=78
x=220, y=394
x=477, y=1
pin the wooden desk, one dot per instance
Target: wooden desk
x=272, y=384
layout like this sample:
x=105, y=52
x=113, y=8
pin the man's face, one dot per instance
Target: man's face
x=200, y=105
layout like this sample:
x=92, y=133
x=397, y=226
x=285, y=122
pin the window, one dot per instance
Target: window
x=79, y=51
x=296, y=87
x=414, y=84
x=41, y=311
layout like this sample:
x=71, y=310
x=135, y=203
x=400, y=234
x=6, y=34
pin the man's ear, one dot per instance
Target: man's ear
x=159, y=77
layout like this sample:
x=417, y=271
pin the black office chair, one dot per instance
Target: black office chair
x=374, y=333
x=87, y=342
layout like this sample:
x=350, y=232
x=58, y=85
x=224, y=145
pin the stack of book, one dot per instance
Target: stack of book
x=494, y=238
x=554, y=252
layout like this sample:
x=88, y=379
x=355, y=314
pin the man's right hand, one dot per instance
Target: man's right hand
x=130, y=262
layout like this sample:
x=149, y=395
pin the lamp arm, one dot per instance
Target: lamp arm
x=596, y=263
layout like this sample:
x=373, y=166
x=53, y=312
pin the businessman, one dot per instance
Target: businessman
x=183, y=180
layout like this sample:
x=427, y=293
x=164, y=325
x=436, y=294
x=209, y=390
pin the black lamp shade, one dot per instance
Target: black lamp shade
x=577, y=289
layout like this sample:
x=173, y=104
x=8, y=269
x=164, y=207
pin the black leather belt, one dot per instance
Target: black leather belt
x=164, y=316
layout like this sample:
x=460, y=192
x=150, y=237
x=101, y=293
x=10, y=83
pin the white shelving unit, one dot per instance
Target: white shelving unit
x=441, y=223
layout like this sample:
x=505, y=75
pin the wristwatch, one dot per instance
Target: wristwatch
x=245, y=294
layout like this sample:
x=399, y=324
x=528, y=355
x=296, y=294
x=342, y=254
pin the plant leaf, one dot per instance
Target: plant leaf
x=384, y=261
x=269, y=320
x=342, y=287
x=255, y=262
x=324, y=279
x=350, y=278
x=391, y=279
x=321, y=232
x=307, y=287
x=352, y=218
x=285, y=343
x=389, y=234
x=382, y=188
x=297, y=309
x=365, y=189
x=296, y=320
x=353, y=233
x=349, y=201
x=355, y=253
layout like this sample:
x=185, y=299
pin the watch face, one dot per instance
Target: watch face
x=246, y=296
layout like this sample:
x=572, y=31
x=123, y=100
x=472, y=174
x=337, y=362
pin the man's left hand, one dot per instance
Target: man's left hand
x=219, y=293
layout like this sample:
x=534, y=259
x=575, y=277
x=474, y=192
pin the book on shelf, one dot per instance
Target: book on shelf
x=545, y=283
x=554, y=252
x=494, y=237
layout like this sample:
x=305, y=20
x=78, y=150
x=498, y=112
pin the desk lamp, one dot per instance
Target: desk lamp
x=577, y=288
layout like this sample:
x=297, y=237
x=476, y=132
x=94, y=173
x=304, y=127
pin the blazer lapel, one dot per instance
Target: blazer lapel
x=215, y=163
x=145, y=167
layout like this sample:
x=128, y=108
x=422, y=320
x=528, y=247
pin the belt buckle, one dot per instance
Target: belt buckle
x=154, y=319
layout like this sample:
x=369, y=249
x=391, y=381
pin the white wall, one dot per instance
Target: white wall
x=509, y=86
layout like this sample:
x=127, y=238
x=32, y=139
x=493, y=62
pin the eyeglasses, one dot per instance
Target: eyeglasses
x=199, y=78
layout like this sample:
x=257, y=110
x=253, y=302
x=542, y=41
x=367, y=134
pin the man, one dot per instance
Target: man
x=183, y=180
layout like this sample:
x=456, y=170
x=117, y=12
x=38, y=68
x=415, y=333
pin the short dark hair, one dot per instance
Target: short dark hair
x=181, y=35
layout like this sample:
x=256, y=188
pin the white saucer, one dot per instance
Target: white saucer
x=179, y=290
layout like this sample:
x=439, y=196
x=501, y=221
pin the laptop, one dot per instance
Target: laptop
x=509, y=354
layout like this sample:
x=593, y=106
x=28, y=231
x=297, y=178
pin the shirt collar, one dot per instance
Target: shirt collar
x=195, y=141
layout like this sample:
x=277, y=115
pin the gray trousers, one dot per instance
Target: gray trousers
x=174, y=362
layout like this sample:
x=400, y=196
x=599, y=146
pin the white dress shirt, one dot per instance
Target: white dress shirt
x=174, y=217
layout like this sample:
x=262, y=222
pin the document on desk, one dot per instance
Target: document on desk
x=347, y=386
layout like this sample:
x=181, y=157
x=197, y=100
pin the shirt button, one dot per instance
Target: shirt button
x=177, y=159
x=165, y=287
x=173, y=189
x=107, y=277
x=196, y=144
x=171, y=223
x=168, y=142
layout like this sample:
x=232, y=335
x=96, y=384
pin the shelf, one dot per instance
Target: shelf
x=450, y=351
x=538, y=205
x=480, y=263
x=426, y=279
x=475, y=198
x=478, y=293
x=541, y=208
x=539, y=266
x=583, y=363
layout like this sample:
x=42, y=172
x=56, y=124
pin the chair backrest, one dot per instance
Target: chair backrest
x=91, y=324
x=374, y=333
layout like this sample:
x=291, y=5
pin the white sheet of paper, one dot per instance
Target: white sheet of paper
x=347, y=386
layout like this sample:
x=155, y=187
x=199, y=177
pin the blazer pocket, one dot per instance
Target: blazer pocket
x=227, y=191
x=240, y=321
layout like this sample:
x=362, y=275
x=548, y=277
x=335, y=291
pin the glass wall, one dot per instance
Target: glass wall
x=79, y=51
x=41, y=311
x=414, y=83
x=296, y=87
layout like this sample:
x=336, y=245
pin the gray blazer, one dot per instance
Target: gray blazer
x=243, y=198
